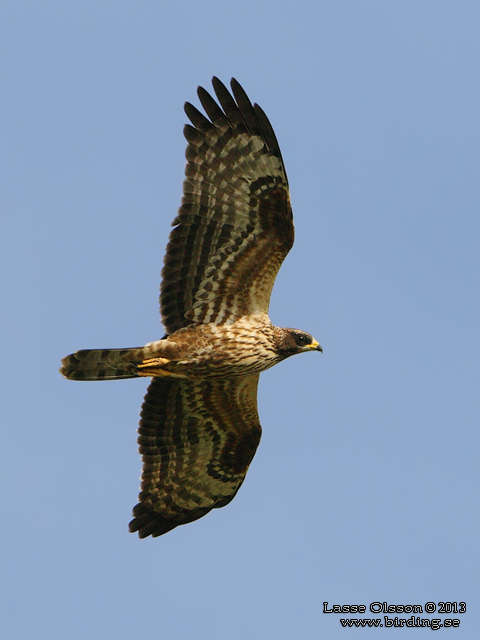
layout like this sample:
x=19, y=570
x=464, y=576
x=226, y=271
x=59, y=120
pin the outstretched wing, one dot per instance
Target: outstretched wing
x=197, y=439
x=235, y=225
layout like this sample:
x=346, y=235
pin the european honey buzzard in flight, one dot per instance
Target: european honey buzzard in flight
x=199, y=426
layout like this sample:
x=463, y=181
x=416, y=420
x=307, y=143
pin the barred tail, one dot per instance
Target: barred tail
x=102, y=364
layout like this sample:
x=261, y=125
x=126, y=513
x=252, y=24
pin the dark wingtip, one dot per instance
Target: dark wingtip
x=148, y=523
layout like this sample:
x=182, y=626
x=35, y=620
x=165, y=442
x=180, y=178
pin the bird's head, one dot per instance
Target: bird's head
x=292, y=341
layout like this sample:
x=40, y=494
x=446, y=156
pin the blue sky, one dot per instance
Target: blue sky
x=365, y=485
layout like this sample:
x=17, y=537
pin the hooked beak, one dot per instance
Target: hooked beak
x=316, y=346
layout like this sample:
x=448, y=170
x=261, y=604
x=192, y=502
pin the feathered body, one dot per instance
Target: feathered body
x=199, y=425
x=248, y=346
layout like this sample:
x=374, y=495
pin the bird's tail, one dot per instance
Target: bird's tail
x=103, y=364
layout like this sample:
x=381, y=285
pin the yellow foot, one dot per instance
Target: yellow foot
x=153, y=367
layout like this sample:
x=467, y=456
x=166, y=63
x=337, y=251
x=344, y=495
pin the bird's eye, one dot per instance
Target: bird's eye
x=302, y=339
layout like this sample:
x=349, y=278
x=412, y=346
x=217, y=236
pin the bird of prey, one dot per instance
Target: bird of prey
x=199, y=426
